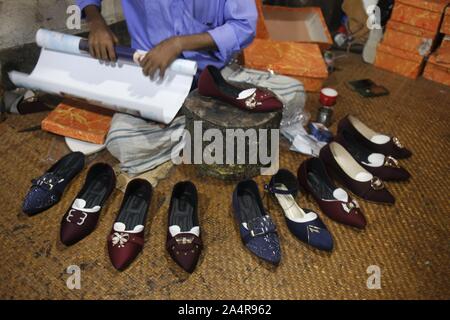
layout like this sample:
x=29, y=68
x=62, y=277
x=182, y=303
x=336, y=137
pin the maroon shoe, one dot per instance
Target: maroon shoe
x=212, y=84
x=126, y=239
x=183, y=237
x=387, y=168
x=353, y=176
x=81, y=219
x=376, y=142
x=335, y=202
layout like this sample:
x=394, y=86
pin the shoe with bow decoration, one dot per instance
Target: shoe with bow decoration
x=335, y=202
x=353, y=176
x=81, y=219
x=126, y=239
x=184, y=243
x=376, y=142
x=304, y=224
x=258, y=231
x=48, y=189
x=385, y=167
x=212, y=84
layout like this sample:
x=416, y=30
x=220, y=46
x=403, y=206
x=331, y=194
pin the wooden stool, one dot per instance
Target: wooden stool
x=215, y=114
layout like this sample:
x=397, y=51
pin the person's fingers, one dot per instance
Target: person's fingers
x=96, y=49
x=147, y=66
x=152, y=70
x=162, y=70
x=103, y=52
x=91, y=49
x=143, y=61
x=111, y=51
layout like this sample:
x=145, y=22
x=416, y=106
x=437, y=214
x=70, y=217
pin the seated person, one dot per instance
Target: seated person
x=209, y=32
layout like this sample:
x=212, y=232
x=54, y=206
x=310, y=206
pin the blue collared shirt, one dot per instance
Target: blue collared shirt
x=231, y=23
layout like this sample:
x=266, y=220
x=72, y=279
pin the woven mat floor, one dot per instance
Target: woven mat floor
x=410, y=241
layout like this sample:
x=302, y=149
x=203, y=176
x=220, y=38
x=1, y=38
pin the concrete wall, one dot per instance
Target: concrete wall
x=19, y=19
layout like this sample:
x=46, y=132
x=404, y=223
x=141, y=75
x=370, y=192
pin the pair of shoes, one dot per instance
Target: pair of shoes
x=82, y=217
x=47, y=190
x=257, y=229
x=212, y=84
x=360, y=159
x=126, y=239
x=375, y=152
x=334, y=202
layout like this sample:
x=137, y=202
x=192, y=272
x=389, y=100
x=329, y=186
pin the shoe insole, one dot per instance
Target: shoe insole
x=290, y=207
x=345, y=160
x=362, y=127
x=358, y=151
x=320, y=187
x=182, y=213
x=249, y=206
x=224, y=86
x=134, y=211
x=96, y=192
x=66, y=168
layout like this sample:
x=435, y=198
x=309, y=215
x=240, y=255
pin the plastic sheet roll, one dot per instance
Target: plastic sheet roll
x=58, y=41
x=67, y=43
x=65, y=68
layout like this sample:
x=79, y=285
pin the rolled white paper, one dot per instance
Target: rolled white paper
x=58, y=41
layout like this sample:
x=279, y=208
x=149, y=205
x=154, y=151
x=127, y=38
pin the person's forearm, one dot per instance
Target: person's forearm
x=196, y=42
x=93, y=15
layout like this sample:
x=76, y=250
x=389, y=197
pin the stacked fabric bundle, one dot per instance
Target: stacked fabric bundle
x=289, y=42
x=438, y=66
x=410, y=35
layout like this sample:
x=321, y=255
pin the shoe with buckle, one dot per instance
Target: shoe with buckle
x=126, y=239
x=305, y=224
x=212, y=84
x=386, y=167
x=184, y=243
x=81, y=219
x=258, y=231
x=376, y=142
x=353, y=176
x=335, y=202
x=48, y=189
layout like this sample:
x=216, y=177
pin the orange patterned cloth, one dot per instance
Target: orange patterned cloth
x=79, y=120
x=431, y=5
x=302, y=61
x=407, y=37
x=438, y=72
x=261, y=29
x=425, y=14
x=405, y=63
x=445, y=27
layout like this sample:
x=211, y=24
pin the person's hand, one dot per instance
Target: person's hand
x=161, y=56
x=102, y=41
